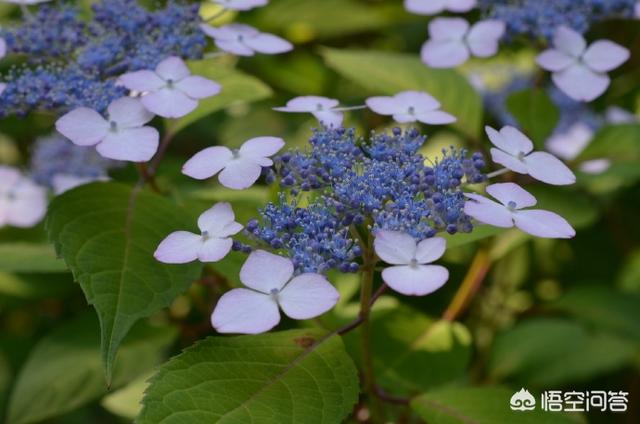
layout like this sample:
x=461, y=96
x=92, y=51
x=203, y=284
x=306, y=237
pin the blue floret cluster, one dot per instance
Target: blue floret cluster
x=68, y=63
x=345, y=184
x=540, y=18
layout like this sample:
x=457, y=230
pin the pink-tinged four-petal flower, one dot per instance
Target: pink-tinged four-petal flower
x=510, y=212
x=241, y=5
x=411, y=106
x=581, y=71
x=270, y=287
x=216, y=225
x=23, y=203
x=121, y=136
x=452, y=41
x=170, y=91
x=238, y=169
x=515, y=151
x=411, y=273
x=244, y=40
x=322, y=108
x=433, y=7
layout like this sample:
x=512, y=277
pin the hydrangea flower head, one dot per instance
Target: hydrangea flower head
x=452, y=41
x=411, y=272
x=433, y=7
x=244, y=40
x=23, y=203
x=515, y=151
x=578, y=70
x=322, y=108
x=239, y=169
x=510, y=211
x=241, y=5
x=121, y=136
x=411, y=106
x=270, y=287
x=170, y=91
x=211, y=245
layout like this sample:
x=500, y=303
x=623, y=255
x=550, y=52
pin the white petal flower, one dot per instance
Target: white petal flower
x=3, y=48
x=410, y=274
x=569, y=144
x=244, y=40
x=452, y=41
x=515, y=151
x=122, y=136
x=238, y=169
x=211, y=245
x=581, y=71
x=433, y=7
x=595, y=166
x=411, y=106
x=323, y=108
x=241, y=5
x=270, y=288
x=510, y=212
x=170, y=91
x=24, y=1
x=3, y=86
x=23, y=203
x=617, y=115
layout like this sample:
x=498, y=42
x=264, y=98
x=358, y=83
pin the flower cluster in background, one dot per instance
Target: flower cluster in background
x=540, y=18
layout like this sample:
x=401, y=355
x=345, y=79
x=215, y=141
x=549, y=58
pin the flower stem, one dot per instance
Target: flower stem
x=498, y=172
x=216, y=15
x=366, y=292
x=345, y=108
x=477, y=271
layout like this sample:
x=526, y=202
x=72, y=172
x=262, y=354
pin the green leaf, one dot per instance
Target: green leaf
x=617, y=142
x=64, y=370
x=303, y=21
x=535, y=112
x=575, y=206
x=298, y=376
x=29, y=257
x=413, y=352
x=479, y=405
x=550, y=352
x=237, y=87
x=34, y=286
x=107, y=233
x=603, y=308
x=388, y=73
x=127, y=401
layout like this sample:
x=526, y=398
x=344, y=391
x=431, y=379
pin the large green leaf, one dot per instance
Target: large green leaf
x=298, y=376
x=237, y=87
x=618, y=142
x=29, y=257
x=479, y=405
x=64, y=370
x=548, y=352
x=414, y=353
x=535, y=112
x=107, y=233
x=388, y=73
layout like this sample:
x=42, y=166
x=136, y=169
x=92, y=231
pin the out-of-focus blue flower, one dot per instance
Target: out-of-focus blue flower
x=540, y=18
x=381, y=183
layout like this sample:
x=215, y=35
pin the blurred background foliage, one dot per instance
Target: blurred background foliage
x=546, y=314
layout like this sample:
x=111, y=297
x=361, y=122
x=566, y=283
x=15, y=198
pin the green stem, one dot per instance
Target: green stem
x=366, y=291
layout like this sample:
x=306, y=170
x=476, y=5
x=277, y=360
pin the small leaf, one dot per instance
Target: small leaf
x=64, y=371
x=536, y=114
x=107, y=233
x=550, y=352
x=237, y=87
x=298, y=376
x=479, y=405
x=30, y=257
x=384, y=73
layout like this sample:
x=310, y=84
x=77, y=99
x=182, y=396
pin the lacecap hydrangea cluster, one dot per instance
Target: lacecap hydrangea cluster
x=344, y=182
x=541, y=18
x=71, y=63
